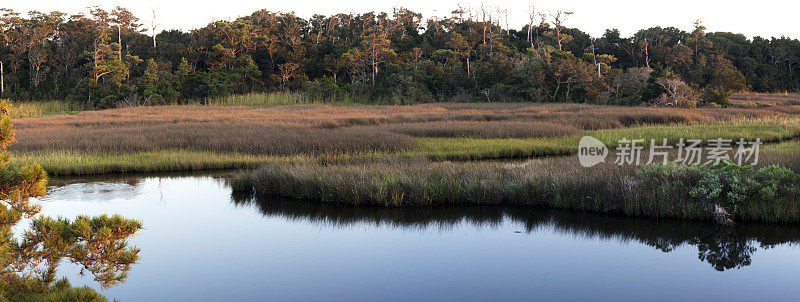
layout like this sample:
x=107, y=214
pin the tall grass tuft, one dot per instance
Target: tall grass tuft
x=289, y=98
x=42, y=108
x=262, y=99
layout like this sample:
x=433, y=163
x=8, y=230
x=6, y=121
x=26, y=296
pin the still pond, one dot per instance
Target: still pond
x=200, y=243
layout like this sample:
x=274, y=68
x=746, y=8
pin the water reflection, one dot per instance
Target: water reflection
x=723, y=248
x=30, y=261
x=198, y=234
x=95, y=191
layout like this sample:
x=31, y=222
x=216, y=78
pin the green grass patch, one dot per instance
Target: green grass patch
x=260, y=99
x=284, y=99
x=63, y=163
x=771, y=130
x=42, y=109
x=80, y=163
x=786, y=146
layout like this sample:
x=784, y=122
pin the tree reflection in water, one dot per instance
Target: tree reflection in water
x=722, y=247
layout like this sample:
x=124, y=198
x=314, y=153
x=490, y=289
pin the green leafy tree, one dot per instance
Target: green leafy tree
x=149, y=84
x=722, y=79
x=369, y=54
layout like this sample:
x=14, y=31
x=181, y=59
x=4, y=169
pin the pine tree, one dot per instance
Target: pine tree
x=28, y=264
x=183, y=69
x=378, y=47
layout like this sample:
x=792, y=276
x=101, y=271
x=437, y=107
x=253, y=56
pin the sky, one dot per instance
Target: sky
x=766, y=18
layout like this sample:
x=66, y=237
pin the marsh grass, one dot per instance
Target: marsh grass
x=262, y=99
x=73, y=163
x=767, y=130
x=555, y=183
x=489, y=129
x=441, y=131
x=80, y=163
x=401, y=182
x=42, y=108
x=271, y=99
x=230, y=138
x=784, y=154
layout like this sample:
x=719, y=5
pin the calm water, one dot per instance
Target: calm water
x=202, y=244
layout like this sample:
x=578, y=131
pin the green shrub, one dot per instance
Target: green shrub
x=741, y=190
x=775, y=182
x=725, y=184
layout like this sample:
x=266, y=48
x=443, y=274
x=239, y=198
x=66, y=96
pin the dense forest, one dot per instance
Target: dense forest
x=112, y=58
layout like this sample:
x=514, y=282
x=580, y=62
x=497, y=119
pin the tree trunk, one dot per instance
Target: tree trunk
x=555, y=93
x=558, y=36
x=530, y=35
x=119, y=41
x=594, y=59
x=2, y=80
x=646, y=54
x=374, y=66
x=566, y=97
x=468, y=71
x=153, y=27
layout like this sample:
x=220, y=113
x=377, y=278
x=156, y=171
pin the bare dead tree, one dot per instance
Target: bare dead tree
x=559, y=17
x=594, y=58
x=288, y=71
x=483, y=20
x=153, y=27
x=491, y=33
x=677, y=91
x=459, y=13
x=505, y=13
x=471, y=14
x=2, y=80
x=531, y=21
x=646, y=54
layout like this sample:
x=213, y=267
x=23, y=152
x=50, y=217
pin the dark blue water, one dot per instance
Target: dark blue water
x=200, y=243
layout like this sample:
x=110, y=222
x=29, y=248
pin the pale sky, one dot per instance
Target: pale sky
x=764, y=18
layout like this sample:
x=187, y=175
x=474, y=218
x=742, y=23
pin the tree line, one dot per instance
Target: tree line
x=105, y=59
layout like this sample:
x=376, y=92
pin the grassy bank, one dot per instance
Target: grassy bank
x=767, y=130
x=747, y=194
x=70, y=163
x=81, y=163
